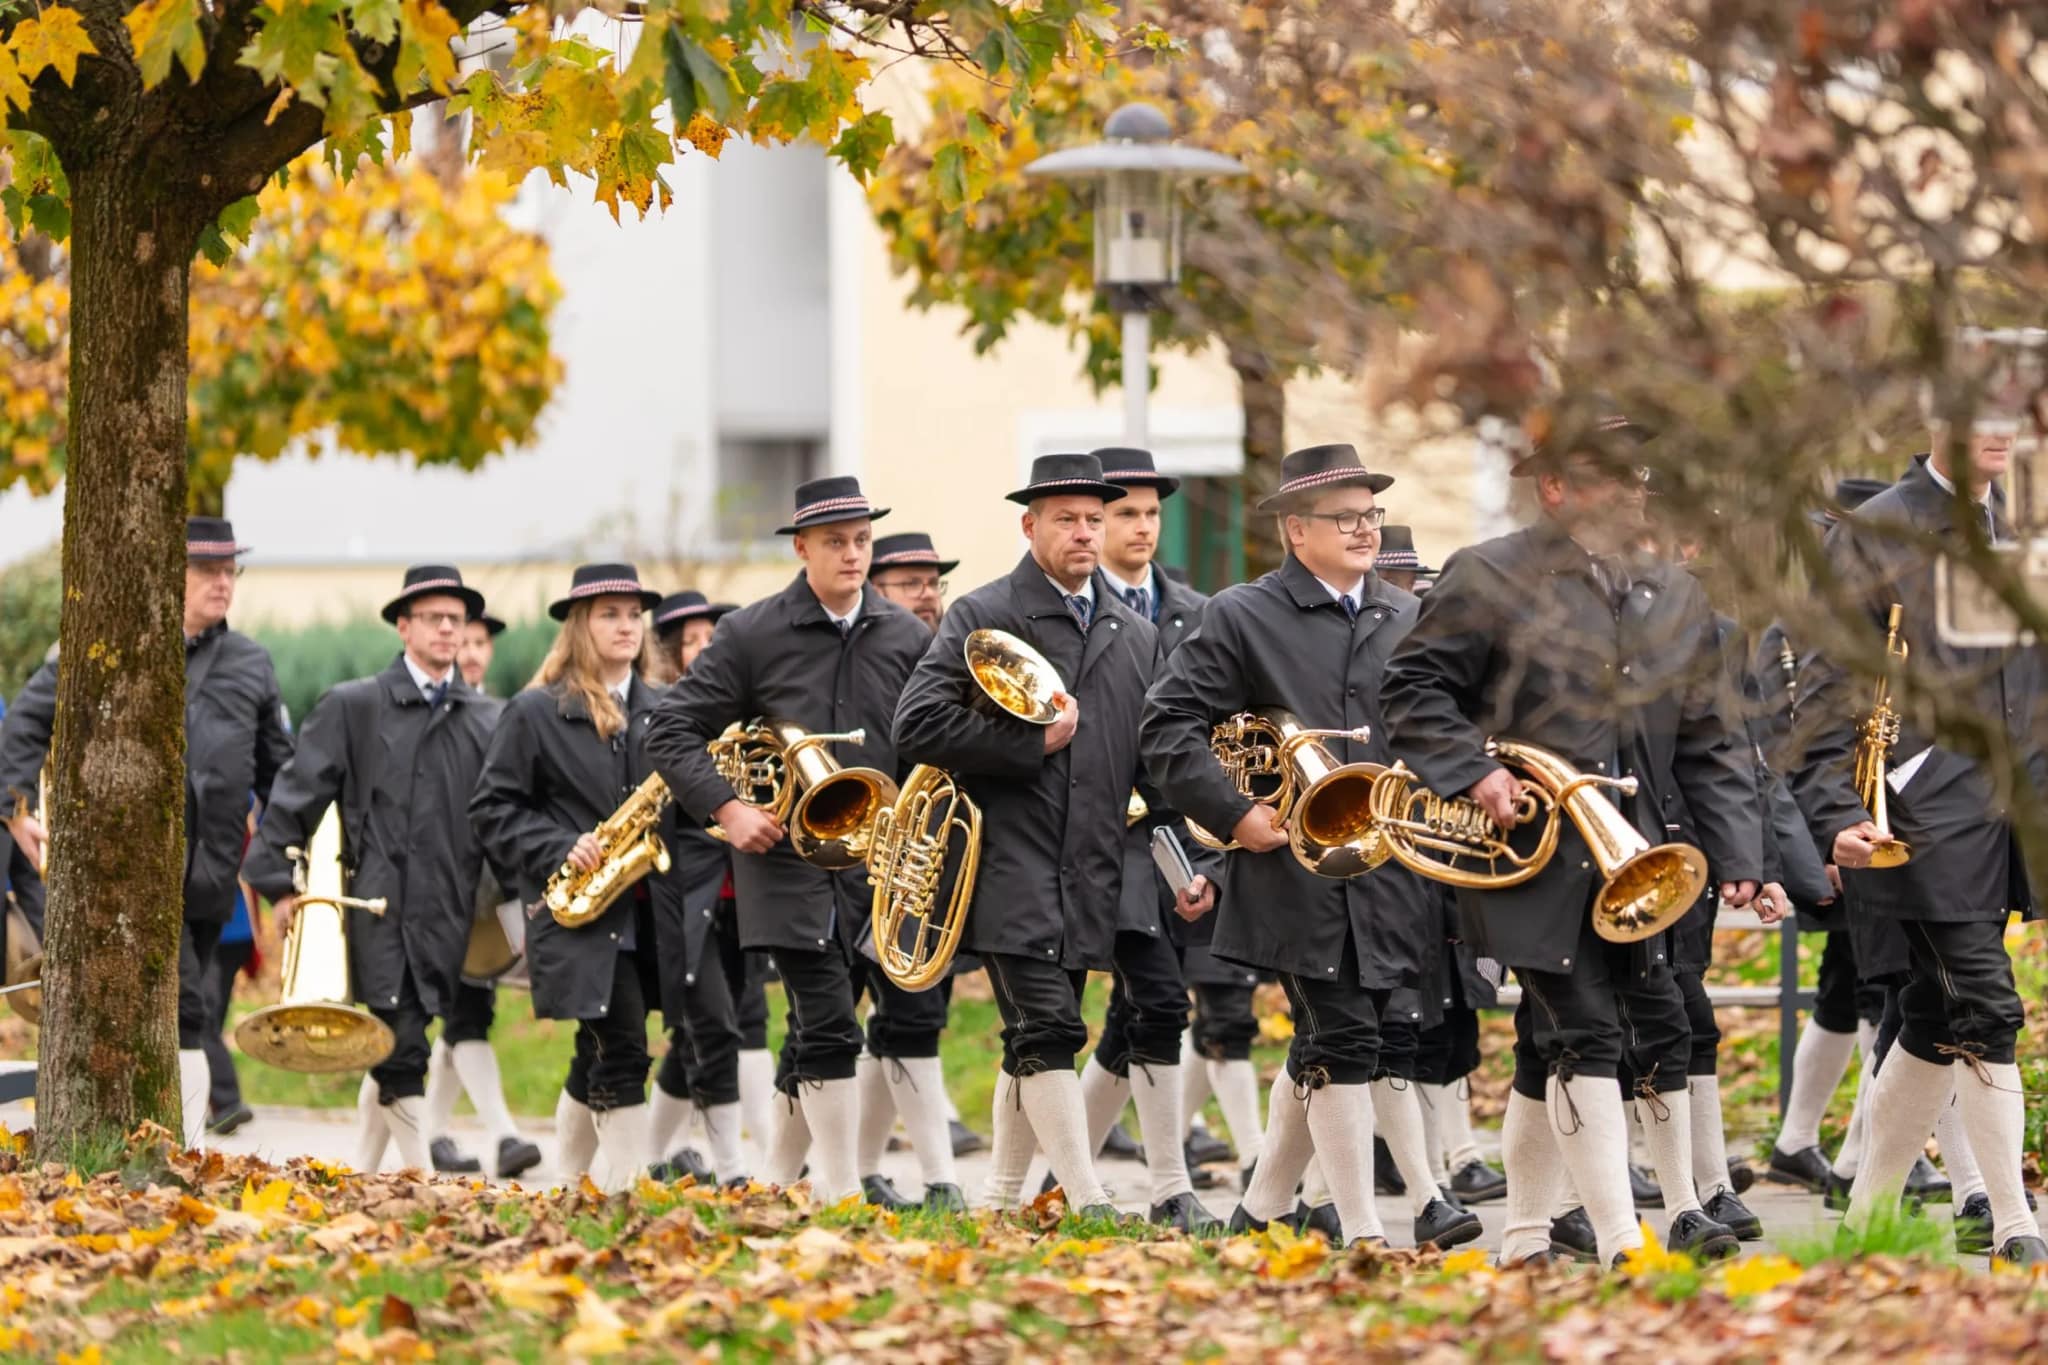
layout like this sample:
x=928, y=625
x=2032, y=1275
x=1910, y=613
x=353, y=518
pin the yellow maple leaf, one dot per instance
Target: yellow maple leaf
x=427, y=31
x=1470, y=1261
x=272, y=1201
x=53, y=40
x=89, y=1356
x=13, y=89
x=1758, y=1274
x=162, y=30
x=1651, y=1258
x=1276, y=1028
x=599, y=1330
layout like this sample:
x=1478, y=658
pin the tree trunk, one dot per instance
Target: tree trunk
x=1263, y=394
x=116, y=883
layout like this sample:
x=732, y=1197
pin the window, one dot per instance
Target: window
x=757, y=483
x=1201, y=530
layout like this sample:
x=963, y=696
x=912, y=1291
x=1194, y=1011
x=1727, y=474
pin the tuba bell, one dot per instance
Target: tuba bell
x=312, y=1027
x=1272, y=759
x=784, y=770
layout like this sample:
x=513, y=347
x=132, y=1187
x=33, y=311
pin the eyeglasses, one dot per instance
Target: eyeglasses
x=918, y=585
x=439, y=620
x=1347, y=523
x=214, y=568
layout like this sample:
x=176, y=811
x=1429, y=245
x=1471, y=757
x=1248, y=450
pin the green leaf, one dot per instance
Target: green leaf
x=50, y=216
x=160, y=30
x=219, y=240
x=864, y=142
x=682, y=87
x=714, y=83
x=961, y=173
x=294, y=36
x=376, y=20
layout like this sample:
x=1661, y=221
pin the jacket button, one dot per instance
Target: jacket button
x=1567, y=962
x=821, y=943
x=1330, y=970
x=690, y=979
x=1624, y=670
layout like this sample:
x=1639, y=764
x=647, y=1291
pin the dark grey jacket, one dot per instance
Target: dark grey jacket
x=1517, y=639
x=236, y=740
x=1052, y=826
x=402, y=772
x=1284, y=641
x=783, y=657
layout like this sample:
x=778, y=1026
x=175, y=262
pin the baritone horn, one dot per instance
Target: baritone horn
x=777, y=766
x=1272, y=759
x=312, y=1027
x=1876, y=737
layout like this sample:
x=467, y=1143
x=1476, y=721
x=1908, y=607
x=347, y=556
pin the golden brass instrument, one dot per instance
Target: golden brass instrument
x=1135, y=809
x=312, y=1027
x=1015, y=676
x=629, y=847
x=1644, y=888
x=1876, y=737
x=1272, y=759
x=779, y=767
x=1247, y=745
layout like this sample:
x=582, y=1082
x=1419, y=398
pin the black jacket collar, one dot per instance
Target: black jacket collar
x=804, y=608
x=1308, y=591
x=398, y=682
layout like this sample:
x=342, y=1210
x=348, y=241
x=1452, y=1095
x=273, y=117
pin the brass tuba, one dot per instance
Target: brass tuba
x=312, y=1027
x=1875, y=738
x=779, y=767
x=629, y=847
x=1247, y=746
x=1272, y=759
x=913, y=839
x=1644, y=889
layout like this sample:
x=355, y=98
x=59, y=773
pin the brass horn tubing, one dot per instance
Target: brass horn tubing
x=376, y=905
x=805, y=759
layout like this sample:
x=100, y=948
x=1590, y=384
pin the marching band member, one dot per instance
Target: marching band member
x=1312, y=637
x=568, y=751
x=830, y=655
x=399, y=753
x=236, y=740
x=1550, y=636
x=909, y=572
x=1053, y=800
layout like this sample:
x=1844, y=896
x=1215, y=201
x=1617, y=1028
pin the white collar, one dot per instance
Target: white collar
x=423, y=680
x=1948, y=485
x=1086, y=590
x=847, y=619
x=1143, y=584
x=1356, y=592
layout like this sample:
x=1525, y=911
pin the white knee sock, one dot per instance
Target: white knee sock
x=626, y=1141
x=1817, y=1068
x=1237, y=1094
x=1340, y=1123
x=575, y=1138
x=1667, y=1129
x=1535, y=1178
x=877, y=1113
x=1567, y=1188
x=666, y=1115
x=1103, y=1095
x=722, y=1136
x=1287, y=1149
x=1397, y=1116
x=832, y=1111
x=443, y=1086
x=917, y=1090
x=1194, y=1083
x=1994, y=1113
x=1904, y=1102
x=1964, y=1174
x=1586, y=1115
x=1052, y=1103
x=789, y=1141
x=372, y=1134
x=1156, y=1089
x=1857, y=1137
x=1638, y=1138
x=1010, y=1146
x=1454, y=1121
x=195, y=1078
x=406, y=1118
x=1709, y=1139
x=1431, y=1099
x=757, y=1096
x=1315, y=1191
x=476, y=1062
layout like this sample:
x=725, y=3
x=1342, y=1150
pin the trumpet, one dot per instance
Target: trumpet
x=1273, y=760
x=777, y=766
x=1876, y=737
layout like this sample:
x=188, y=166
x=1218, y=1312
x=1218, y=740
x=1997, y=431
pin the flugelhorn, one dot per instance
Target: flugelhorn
x=1272, y=759
x=1247, y=747
x=1876, y=737
x=313, y=1027
x=783, y=769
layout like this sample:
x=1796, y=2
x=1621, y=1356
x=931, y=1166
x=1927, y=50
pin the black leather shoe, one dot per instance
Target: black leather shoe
x=516, y=1156
x=1122, y=1144
x=1103, y=1213
x=1973, y=1226
x=1926, y=1183
x=234, y=1118
x=1475, y=1182
x=1185, y=1212
x=1240, y=1221
x=1049, y=1184
x=2023, y=1251
x=1807, y=1168
x=943, y=1198
x=1535, y=1260
x=1837, y=1195
x=1321, y=1220
x=1741, y=1175
x=685, y=1161
x=1700, y=1237
x=882, y=1194
x=1647, y=1193
x=1386, y=1176
x=452, y=1159
x=1729, y=1210
x=1441, y=1225
x=1204, y=1178
x=965, y=1139
x=1572, y=1235
x=1204, y=1147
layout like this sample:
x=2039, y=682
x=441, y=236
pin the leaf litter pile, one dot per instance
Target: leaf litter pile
x=201, y=1255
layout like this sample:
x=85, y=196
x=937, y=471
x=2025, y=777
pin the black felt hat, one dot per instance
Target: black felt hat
x=1850, y=494
x=1397, y=551
x=427, y=580
x=603, y=580
x=908, y=550
x=679, y=608
x=1592, y=425
x=211, y=538
x=1314, y=468
x=491, y=624
x=824, y=501
x=1054, y=476
x=1130, y=467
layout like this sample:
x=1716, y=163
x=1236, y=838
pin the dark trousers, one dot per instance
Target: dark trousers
x=1448, y=1051
x=1148, y=1005
x=1704, y=1055
x=823, y=1039
x=609, y=1070
x=746, y=976
x=703, y=1056
x=1040, y=1003
x=1400, y=1049
x=1656, y=1031
x=1961, y=998
x=197, y=944
x=471, y=1012
x=902, y=1024
x=225, y=1091
x=1336, y=1025
x=1224, y=1022
x=403, y=1074
x=1569, y=1023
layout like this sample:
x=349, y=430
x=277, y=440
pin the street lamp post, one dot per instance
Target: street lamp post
x=1136, y=169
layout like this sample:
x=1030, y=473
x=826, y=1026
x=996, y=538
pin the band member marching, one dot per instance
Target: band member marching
x=1550, y=637
x=909, y=572
x=236, y=740
x=569, y=751
x=1053, y=800
x=831, y=656
x=399, y=754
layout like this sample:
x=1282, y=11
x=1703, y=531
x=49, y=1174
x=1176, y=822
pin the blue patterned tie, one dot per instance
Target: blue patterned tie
x=1140, y=600
x=1082, y=607
x=435, y=693
x=1350, y=607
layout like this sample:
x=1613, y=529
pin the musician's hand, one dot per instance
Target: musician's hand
x=749, y=828
x=1772, y=904
x=29, y=837
x=1259, y=832
x=287, y=908
x=587, y=853
x=1834, y=880
x=1853, y=845
x=1499, y=794
x=1196, y=900
x=1060, y=733
x=1738, y=894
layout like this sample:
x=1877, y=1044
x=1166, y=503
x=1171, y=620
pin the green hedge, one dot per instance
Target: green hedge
x=311, y=659
x=30, y=599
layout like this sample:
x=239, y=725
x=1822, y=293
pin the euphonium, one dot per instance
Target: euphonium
x=1330, y=827
x=312, y=1027
x=629, y=847
x=779, y=767
x=1247, y=746
x=1875, y=739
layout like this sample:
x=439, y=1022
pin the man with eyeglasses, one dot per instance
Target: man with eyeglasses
x=236, y=740
x=909, y=572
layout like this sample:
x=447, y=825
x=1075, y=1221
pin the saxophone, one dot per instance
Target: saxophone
x=629, y=848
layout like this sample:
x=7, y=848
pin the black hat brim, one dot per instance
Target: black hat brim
x=944, y=566
x=1167, y=484
x=471, y=599
x=559, y=608
x=1067, y=488
x=1543, y=459
x=711, y=611
x=872, y=514
x=1284, y=502
x=491, y=624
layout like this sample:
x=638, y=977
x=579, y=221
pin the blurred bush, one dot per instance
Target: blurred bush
x=311, y=659
x=30, y=598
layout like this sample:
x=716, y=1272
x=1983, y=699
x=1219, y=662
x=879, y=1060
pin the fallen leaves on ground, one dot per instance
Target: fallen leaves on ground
x=202, y=1254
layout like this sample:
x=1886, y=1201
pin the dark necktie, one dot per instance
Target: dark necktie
x=436, y=691
x=1612, y=575
x=845, y=628
x=1140, y=600
x=1082, y=607
x=1350, y=607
